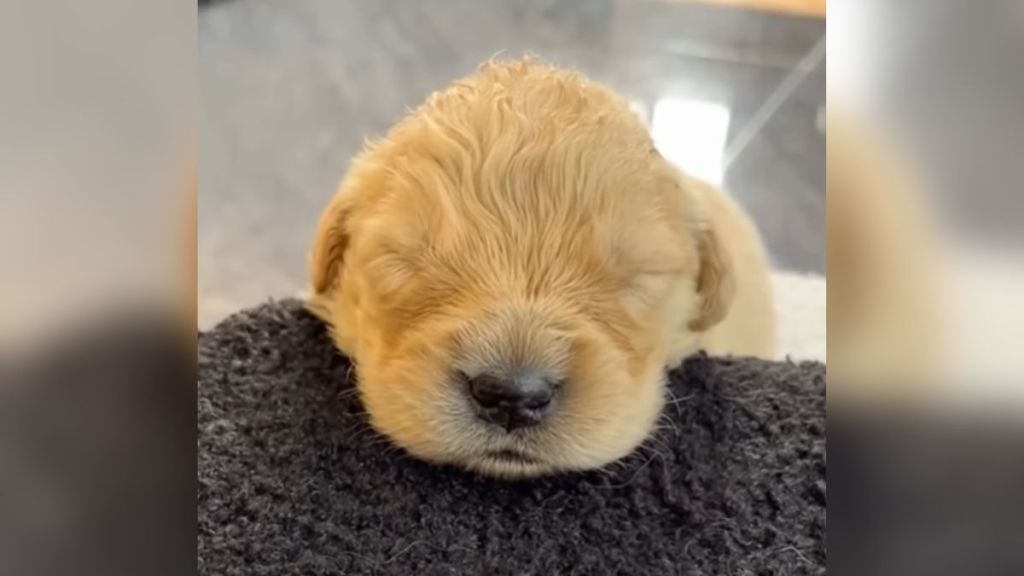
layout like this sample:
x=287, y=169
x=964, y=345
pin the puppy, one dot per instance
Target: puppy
x=514, y=266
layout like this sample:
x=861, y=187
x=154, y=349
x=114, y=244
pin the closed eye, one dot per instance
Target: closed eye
x=648, y=288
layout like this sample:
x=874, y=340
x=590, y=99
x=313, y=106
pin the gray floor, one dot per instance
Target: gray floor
x=289, y=90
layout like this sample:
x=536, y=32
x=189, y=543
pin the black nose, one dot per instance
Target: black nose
x=511, y=402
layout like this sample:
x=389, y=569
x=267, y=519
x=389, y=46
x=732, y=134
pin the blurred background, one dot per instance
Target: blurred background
x=733, y=91
x=939, y=84
x=94, y=142
x=945, y=78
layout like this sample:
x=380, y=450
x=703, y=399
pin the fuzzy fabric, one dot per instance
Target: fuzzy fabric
x=292, y=481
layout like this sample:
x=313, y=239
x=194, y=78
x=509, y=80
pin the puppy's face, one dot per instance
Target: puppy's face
x=511, y=271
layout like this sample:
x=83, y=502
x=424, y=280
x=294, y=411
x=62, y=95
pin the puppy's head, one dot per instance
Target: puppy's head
x=511, y=270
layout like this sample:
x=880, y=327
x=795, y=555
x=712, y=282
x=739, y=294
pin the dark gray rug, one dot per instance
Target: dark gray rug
x=291, y=481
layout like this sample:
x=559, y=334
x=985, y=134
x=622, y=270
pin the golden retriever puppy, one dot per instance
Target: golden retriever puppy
x=513, y=268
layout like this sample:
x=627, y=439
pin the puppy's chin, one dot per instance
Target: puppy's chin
x=533, y=462
x=541, y=452
x=511, y=464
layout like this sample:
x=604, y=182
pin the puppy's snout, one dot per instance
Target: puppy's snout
x=512, y=402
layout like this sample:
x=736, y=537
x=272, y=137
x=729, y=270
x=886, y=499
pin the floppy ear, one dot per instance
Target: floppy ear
x=715, y=282
x=329, y=246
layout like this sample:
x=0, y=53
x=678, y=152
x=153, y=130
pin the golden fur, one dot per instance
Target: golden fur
x=522, y=216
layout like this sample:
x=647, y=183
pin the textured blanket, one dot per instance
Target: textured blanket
x=293, y=481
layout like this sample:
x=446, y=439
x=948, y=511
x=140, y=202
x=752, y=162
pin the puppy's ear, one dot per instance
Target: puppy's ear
x=332, y=239
x=715, y=282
